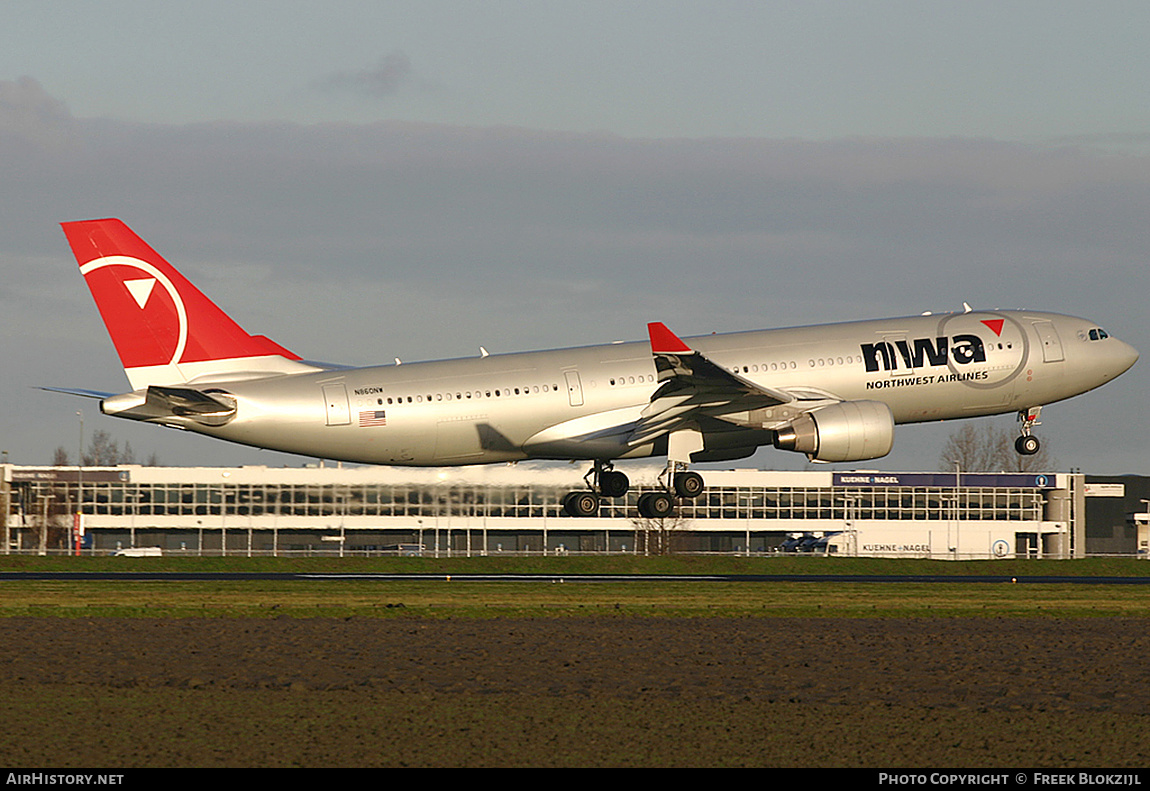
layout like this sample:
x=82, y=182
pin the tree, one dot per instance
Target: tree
x=103, y=451
x=975, y=447
x=659, y=535
x=989, y=447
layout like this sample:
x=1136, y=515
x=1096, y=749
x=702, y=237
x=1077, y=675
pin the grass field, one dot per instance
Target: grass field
x=592, y=564
x=557, y=595
x=561, y=672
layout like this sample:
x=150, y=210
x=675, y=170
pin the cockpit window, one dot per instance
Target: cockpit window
x=1098, y=334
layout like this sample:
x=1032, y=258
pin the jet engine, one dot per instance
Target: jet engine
x=846, y=431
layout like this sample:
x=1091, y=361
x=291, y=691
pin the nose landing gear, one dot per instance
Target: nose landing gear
x=1028, y=444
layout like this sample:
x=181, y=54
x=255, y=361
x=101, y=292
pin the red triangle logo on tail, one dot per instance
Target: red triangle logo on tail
x=995, y=325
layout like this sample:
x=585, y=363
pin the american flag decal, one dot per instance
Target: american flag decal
x=373, y=417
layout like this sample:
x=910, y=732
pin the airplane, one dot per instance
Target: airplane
x=833, y=392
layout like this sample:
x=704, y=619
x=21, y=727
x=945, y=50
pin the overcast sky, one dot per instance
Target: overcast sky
x=362, y=181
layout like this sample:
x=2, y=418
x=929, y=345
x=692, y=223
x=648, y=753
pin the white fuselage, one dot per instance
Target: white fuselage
x=576, y=403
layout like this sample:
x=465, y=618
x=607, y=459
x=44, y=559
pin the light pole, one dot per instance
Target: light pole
x=850, y=514
x=79, y=486
x=5, y=492
x=44, y=498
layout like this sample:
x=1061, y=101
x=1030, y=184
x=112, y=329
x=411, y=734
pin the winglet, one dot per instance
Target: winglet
x=663, y=341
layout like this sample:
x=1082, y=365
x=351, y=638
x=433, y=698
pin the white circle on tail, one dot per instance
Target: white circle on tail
x=144, y=266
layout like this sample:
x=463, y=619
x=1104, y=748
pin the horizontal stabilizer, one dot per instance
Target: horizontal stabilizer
x=78, y=392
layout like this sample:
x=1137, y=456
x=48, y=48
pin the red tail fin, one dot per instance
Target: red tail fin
x=164, y=329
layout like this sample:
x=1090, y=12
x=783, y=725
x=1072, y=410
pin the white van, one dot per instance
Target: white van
x=139, y=552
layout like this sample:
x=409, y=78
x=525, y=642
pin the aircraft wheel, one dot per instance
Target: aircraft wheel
x=613, y=484
x=643, y=505
x=656, y=505
x=688, y=484
x=581, y=504
x=1027, y=445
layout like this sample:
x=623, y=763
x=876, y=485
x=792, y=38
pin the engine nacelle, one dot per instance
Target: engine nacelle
x=847, y=431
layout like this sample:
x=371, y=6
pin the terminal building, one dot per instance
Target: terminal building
x=518, y=509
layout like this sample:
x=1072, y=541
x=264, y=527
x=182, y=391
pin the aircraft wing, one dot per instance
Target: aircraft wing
x=694, y=387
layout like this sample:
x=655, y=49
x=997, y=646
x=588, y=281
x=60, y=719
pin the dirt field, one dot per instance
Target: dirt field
x=575, y=692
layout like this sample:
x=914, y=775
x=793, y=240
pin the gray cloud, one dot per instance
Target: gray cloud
x=359, y=243
x=385, y=78
x=25, y=107
x=31, y=120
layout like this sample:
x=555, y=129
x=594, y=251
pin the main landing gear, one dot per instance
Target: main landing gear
x=604, y=481
x=677, y=481
x=1028, y=444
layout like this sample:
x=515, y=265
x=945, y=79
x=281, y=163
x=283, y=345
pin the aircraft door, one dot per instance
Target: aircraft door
x=1051, y=343
x=336, y=404
x=574, y=388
